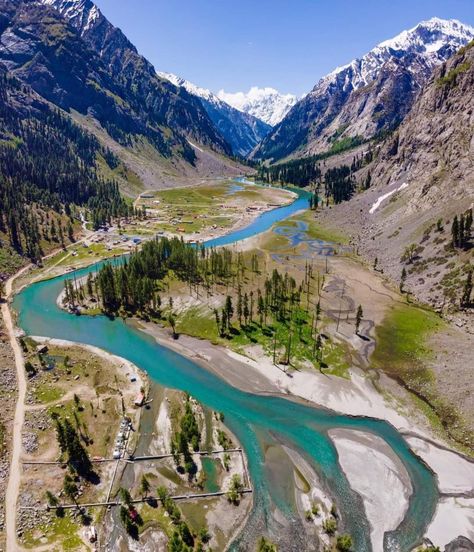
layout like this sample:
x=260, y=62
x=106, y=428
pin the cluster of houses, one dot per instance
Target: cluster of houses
x=122, y=437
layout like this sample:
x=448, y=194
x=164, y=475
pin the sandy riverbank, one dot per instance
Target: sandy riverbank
x=455, y=474
x=376, y=473
x=357, y=397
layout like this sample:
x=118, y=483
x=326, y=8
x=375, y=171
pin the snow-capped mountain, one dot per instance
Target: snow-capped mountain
x=82, y=14
x=369, y=95
x=193, y=89
x=267, y=104
x=434, y=41
x=242, y=130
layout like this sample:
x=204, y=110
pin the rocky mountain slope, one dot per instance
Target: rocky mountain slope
x=48, y=167
x=266, y=104
x=367, y=97
x=155, y=99
x=422, y=177
x=241, y=130
x=72, y=57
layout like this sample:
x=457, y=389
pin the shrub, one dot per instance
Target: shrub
x=344, y=543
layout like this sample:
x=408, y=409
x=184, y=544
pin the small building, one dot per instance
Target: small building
x=140, y=399
x=91, y=534
x=41, y=349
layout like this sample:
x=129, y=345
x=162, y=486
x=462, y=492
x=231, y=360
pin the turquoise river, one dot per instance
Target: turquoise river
x=301, y=426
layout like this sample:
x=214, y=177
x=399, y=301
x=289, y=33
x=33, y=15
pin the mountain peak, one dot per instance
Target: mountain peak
x=431, y=41
x=193, y=89
x=82, y=14
x=370, y=95
x=242, y=130
x=267, y=104
x=431, y=35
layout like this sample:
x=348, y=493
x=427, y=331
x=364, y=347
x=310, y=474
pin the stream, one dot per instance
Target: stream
x=248, y=416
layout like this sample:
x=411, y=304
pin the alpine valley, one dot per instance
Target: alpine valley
x=234, y=320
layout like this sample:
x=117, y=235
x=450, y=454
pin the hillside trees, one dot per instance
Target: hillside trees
x=48, y=164
x=461, y=229
x=300, y=172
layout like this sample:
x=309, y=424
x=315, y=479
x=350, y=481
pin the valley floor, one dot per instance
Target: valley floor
x=359, y=377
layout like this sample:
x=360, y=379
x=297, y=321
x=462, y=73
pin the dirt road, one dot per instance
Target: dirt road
x=11, y=495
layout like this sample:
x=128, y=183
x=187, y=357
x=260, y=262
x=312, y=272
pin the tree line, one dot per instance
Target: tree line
x=278, y=307
x=309, y=171
x=461, y=229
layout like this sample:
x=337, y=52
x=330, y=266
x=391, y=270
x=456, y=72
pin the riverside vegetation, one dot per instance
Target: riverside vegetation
x=282, y=315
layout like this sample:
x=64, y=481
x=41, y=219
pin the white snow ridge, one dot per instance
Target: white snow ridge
x=267, y=104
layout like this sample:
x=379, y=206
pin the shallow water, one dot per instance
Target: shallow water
x=301, y=426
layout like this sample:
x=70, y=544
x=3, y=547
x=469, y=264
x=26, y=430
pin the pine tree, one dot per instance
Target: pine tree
x=403, y=279
x=359, y=315
x=260, y=307
x=218, y=320
x=467, y=291
x=61, y=436
x=70, y=232
x=246, y=309
x=70, y=488
x=53, y=501
x=455, y=232
x=229, y=311
x=462, y=237
x=144, y=486
x=125, y=496
x=468, y=224
x=240, y=308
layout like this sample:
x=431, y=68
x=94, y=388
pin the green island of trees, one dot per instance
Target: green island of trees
x=283, y=316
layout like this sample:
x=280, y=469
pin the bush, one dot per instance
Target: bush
x=235, y=490
x=330, y=526
x=344, y=543
x=266, y=546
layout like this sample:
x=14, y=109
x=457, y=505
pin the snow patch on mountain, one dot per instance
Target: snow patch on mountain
x=193, y=89
x=267, y=104
x=82, y=14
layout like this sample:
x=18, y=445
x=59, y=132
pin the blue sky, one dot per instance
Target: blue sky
x=287, y=44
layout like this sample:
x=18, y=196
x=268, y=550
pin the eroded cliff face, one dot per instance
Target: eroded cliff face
x=433, y=150
x=422, y=177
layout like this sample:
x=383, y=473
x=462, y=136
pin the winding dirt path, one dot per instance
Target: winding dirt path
x=13, y=487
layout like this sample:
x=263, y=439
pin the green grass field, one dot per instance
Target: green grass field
x=60, y=534
x=316, y=231
x=401, y=338
x=402, y=352
x=201, y=324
